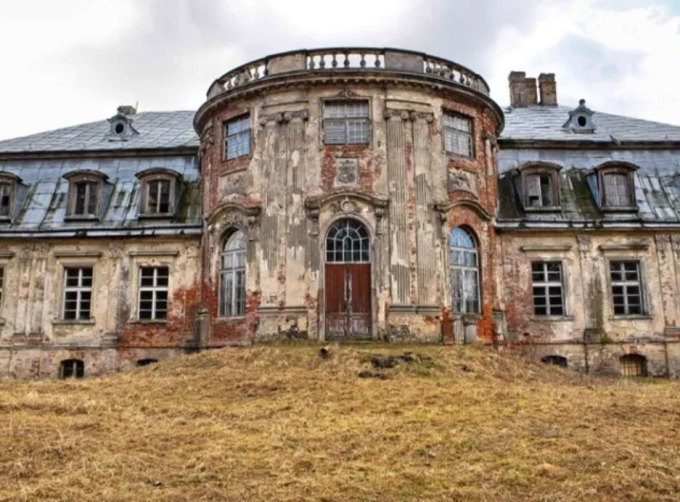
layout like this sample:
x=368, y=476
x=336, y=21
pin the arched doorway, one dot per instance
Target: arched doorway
x=348, y=281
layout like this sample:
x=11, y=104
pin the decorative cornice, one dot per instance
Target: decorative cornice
x=282, y=117
x=317, y=201
x=248, y=211
x=445, y=207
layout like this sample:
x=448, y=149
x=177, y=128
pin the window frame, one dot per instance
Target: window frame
x=456, y=132
x=546, y=285
x=367, y=120
x=91, y=178
x=541, y=170
x=226, y=136
x=155, y=289
x=628, y=173
x=633, y=360
x=624, y=283
x=78, y=289
x=150, y=176
x=462, y=298
x=12, y=182
x=237, y=273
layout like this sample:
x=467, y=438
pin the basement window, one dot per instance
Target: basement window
x=633, y=365
x=346, y=122
x=71, y=368
x=146, y=361
x=560, y=361
x=457, y=133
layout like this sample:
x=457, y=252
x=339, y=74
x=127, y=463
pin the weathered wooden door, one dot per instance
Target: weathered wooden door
x=348, y=281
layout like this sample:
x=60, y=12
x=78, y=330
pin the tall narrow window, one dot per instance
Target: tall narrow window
x=2, y=286
x=457, y=134
x=548, y=296
x=77, y=293
x=464, y=272
x=6, y=191
x=626, y=287
x=71, y=368
x=346, y=123
x=237, y=137
x=153, y=293
x=233, y=276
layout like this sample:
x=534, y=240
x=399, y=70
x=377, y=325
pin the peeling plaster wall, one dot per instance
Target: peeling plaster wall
x=406, y=190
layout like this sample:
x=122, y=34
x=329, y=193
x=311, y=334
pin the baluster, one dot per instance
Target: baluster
x=362, y=63
x=334, y=61
x=377, y=60
x=310, y=65
x=346, y=63
x=322, y=62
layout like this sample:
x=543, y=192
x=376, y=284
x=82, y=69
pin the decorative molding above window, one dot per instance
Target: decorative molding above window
x=120, y=125
x=85, y=194
x=580, y=119
x=160, y=191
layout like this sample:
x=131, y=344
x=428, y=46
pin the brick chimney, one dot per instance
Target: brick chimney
x=127, y=110
x=522, y=90
x=547, y=88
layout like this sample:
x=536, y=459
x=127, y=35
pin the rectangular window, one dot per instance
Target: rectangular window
x=458, y=134
x=158, y=197
x=617, y=192
x=153, y=293
x=626, y=287
x=84, y=198
x=77, y=293
x=5, y=200
x=346, y=123
x=237, y=137
x=547, y=288
x=539, y=190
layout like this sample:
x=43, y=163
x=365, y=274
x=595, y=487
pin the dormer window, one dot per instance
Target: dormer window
x=540, y=187
x=616, y=185
x=580, y=119
x=121, y=124
x=8, y=184
x=84, y=195
x=159, y=192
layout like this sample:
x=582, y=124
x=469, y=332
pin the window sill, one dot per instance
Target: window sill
x=619, y=209
x=148, y=321
x=553, y=318
x=68, y=322
x=459, y=156
x=81, y=217
x=542, y=209
x=156, y=216
x=632, y=317
x=227, y=320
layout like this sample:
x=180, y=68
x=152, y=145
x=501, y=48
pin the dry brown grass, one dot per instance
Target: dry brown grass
x=280, y=423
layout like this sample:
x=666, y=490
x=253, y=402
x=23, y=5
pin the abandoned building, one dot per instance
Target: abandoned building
x=343, y=194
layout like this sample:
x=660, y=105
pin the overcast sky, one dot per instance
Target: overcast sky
x=67, y=62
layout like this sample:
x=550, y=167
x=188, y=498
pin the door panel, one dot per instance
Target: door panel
x=348, y=300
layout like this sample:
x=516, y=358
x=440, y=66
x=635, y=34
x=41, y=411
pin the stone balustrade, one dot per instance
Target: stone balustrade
x=348, y=59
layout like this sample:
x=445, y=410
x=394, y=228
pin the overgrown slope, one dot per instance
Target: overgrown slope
x=283, y=423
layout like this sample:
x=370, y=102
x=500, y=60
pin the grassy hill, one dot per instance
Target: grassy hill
x=283, y=423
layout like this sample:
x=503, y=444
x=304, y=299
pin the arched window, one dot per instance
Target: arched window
x=464, y=272
x=71, y=368
x=233, y=276
x=633, y=365
x=560, y=361
x=347, y=242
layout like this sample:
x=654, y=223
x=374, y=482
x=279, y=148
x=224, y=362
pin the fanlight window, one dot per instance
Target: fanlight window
x=464, y=272
x=347, y=242
x=233, y=276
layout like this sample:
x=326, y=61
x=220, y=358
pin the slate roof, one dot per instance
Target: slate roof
x=157, y=130
x=657, y=179
x=544, y=123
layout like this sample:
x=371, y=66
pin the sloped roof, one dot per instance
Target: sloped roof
x=157, y=130
x=544, y=123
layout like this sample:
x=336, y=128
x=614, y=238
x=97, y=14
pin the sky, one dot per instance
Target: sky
x=68, y=62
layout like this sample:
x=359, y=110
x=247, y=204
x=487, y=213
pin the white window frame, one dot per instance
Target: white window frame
x=546, y=285
x=352, y=117
x=458, y=140
x=156, y=313
x=233, y=274
x=79, y=289
x=466, y=297
x=626, y=284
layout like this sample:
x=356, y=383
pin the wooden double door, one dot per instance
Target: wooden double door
x=348, y=301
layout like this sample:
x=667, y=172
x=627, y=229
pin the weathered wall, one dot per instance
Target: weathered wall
x=406, y=190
